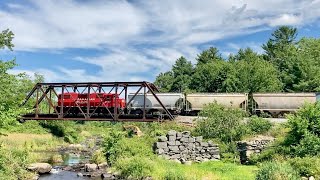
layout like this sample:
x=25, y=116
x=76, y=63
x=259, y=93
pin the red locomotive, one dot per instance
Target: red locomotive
x=98, y=102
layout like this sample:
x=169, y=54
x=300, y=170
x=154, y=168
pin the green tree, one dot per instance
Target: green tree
x=6, y=37
x=210, y=77
x=164, y=81
x=252, y=74
x=282, y=52
x=210, y=55
x=13, y=88
x=307, y=67
x=281, y=37
x=182, y=72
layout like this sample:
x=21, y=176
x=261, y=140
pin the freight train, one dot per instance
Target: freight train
x=273, y=104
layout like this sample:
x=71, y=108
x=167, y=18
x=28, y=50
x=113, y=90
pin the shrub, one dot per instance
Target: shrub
x=266, y=155
x=98, y=157
x=135, y=167
x=303, y=139
x=220, y=122
x=258, y=125
x=309, y=145
x=13, y=163
x=174, y=174
x=307, y=166
x=276, y=171
x=117, y=146
x=67, y=130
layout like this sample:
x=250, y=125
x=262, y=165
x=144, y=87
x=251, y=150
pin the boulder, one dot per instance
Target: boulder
x=103, y=165
x=40, y=168
x=172, y=138
x=173, y=148
x=184, y=139
x=204, y=144
x=186, y=134
x=179, y=135
x=161, y=145
x=159, y=151
x=172, y=133
x=90, y=167
x=162, y=139
x=191, y=139
x=171, y=143
x=199, y=139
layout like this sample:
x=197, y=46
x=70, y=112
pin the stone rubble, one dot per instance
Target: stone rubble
x=182, y=147
x=253, y=146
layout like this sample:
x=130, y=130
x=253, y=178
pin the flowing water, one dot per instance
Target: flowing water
x=69, y=159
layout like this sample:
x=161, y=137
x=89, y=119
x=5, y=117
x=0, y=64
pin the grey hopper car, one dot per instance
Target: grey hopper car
x=196, y=102
x=172, y=101
x=278, y=104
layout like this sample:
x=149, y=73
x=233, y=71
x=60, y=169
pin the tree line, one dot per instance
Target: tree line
x=287, y=64
x=13, y=87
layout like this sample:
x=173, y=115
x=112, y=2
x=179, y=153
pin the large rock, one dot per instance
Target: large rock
x=172, y=133
x=186, y=134
x=90, y=167
x=162, y=139
x=40, y=168
x=161, y=145
x=199, y=139
x=172, y=138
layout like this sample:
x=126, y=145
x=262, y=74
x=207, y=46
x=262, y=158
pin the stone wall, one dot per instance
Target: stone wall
x=253, y=146
x=182, y=147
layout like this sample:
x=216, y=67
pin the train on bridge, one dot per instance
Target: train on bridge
x=112, y=101
x=270, y=104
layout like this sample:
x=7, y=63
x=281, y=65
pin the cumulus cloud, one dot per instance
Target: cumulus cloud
x=142, y=38
x=287, y=19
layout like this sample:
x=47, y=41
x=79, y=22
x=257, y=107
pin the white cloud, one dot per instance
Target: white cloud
x=287, y=19
x=142, y=38
x=69, y=24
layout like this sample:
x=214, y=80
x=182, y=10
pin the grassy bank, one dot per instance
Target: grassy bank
x=164, y=169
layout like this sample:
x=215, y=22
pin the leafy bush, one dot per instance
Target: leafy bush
x=117, y=146
x=303, y=139
x=309, y=145
x=307, y=166
x=276, y=171
x=68, y=130
x=174, y=174
x=258, y=125
x=98, y=157
x=13, y=163
x=229, y=152
x=135, y=167
x=266, y=155
x=220, y=122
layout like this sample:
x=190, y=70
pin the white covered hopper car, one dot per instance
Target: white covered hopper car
x=196, y=102
x=172, y=101
x=278, y=104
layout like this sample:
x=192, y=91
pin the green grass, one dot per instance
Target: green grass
x=206, y=170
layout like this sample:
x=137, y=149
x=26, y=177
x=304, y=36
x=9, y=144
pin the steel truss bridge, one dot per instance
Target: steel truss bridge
x=44, y=97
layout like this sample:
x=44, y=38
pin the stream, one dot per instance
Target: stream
x=69, y=159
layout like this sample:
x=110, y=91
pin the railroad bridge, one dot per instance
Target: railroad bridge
x=91, y=101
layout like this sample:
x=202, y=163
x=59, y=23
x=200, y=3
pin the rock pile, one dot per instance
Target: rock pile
x=253, y=146
x=180, y=146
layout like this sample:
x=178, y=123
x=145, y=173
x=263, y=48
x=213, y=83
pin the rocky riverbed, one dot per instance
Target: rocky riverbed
x=71, y=162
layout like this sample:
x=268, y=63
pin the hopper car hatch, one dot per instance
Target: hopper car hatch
x=91, y=101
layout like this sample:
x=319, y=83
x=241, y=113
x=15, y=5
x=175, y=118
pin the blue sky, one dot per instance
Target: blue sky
x=118, y=40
